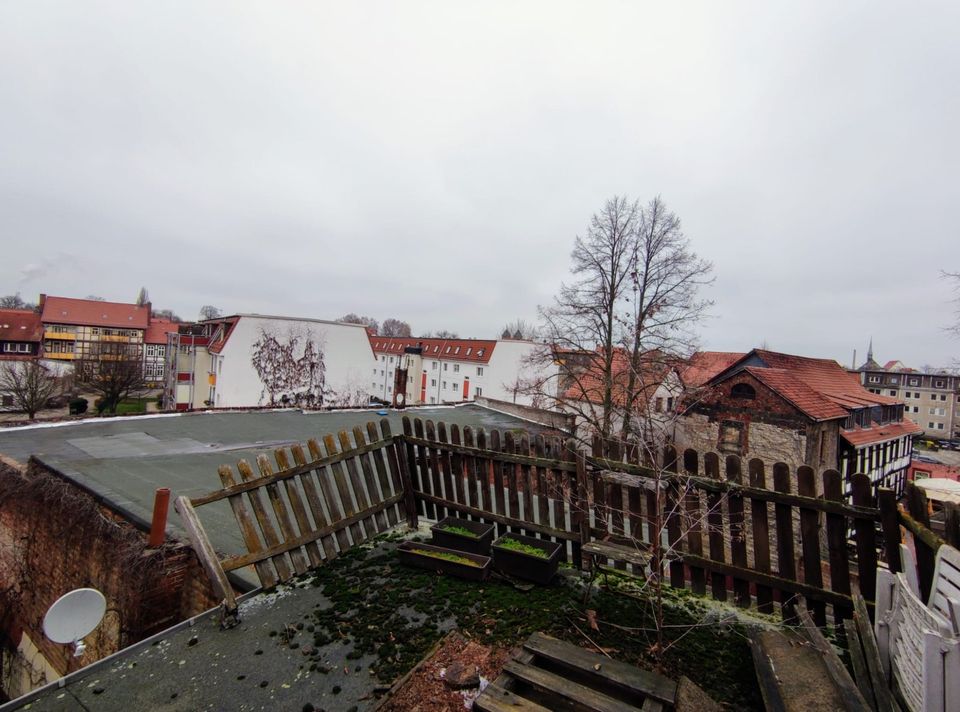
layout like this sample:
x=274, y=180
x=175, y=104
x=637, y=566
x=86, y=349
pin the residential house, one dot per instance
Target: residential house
x=453, y=370
x=931, y=398
x=800, y=411
x=21, y=334
x=249, y=360
x=155, y=350
x=75, y=329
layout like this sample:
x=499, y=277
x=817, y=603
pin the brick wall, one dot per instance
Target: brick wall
x=54, y=538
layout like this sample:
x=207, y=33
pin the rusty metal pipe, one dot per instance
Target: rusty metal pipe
x=158, y=528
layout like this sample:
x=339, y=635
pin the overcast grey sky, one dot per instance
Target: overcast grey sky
x=434, y=161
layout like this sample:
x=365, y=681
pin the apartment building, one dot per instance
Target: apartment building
x=452, y=370
x=155, y=350
x=249, y=360
x=931, y=398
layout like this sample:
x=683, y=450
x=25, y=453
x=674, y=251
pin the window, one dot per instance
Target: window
x=894, y=379
x=669, y=405
x=933, y=396
x=383, y=358
x=456, y=350
x=444, y=384
x=456, y=368
x=742, y=390
x=916, y=409
x=930, y=426
x=433, y=382
x=914, y=381
x=943, y=396
x=391, y=359
x=874, y=379
x=479, y=370
x=374, y=372
x=433, y=365
x=373, y=385
x=447, y=350
x=432, y=400
x=479, y=392
x=389, y=389
x=893, y=393
x=939, y=426
x=469, y=349
x=731, y=438
x=938, y=383
x=445, y=366
x=658, y=405
x=456, y=386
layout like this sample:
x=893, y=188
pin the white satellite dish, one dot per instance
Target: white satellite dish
x=73, y=616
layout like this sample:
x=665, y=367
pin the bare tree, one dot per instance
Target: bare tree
x=94, y=298
x=395, y=327
x=112, y=370
x=142, y=297
x=628, y=318
x=955, y=278
x=208, y=311
x=440, y=334
x=13, y=301
x=582, y=325
x=367, y=321
x=29, y=383
x=166, y=314
x=519, y=329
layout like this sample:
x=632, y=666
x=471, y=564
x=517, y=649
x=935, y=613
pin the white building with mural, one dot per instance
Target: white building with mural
x=250, y=360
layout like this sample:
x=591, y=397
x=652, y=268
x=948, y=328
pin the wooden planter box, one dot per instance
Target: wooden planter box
x=410, y=554
x=527, y=566
x=479, y=544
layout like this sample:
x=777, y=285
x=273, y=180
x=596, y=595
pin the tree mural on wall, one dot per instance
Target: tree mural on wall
x=290, y=367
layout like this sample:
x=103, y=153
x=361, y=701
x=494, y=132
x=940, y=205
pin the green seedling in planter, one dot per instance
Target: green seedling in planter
x=454, y=529
x=514, y=545
x=448, y=557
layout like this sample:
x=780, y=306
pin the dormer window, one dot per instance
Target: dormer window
x=744, y=391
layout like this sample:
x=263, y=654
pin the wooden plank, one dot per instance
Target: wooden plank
x=356, y=484
x=511, y=471
x=343, y=489
x=469, y=465
x=457, y=468
x=388, y=487
x=838, y=673
x=759, y=518
x=635, y=510
x=890, y=525
x=615, y=500
x=783, y=515
x=555, y=686
x=866, y=538
x=692, y=505
x=296, y=471
x=580, y=505
x=810, y=538
x=738, y=533
x=450, y=491
x=837, y=545
x=368, y=474
x=871, y=655
x=287, y=530
x=495, y=698
x=484, y=472
x=206, y=553
x=767, y=677
x=326, y=479
x=425, y=476
x=512, y=458
x=543, y=480
x=925, y=554
x=313, y=500
x=503, y=519
x=709, y=485
x=413, y=469
x=860, y=674
x=263, y=520
x=617, y=552
x=496, y=445
x=436, y=477
x=715, y=520
x=304, y=525
x=612, y=673
x=248, y=530
x=525, y=478
x=402, y=466
x=235, y=562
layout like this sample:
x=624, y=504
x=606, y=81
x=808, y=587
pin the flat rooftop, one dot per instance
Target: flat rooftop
x=124, y=460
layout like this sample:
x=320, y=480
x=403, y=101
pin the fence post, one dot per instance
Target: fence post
x=890, y=524
x=917, y=505
x=579, y=512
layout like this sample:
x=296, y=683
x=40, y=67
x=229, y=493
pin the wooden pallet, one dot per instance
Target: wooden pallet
x=549, y=674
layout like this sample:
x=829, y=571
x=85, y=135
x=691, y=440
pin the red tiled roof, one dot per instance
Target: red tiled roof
x=88, y=312
x=157, y=332
x=880, y=433
x=20, y=325
x=704, y=365
x=473, y=350
x=788, y=386
x=588, y=384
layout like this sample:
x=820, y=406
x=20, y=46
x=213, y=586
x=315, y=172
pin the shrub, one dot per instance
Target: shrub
x=78, y=406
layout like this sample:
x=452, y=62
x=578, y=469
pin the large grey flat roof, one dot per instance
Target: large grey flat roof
x=124, y=461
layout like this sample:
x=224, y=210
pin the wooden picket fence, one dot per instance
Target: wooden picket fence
x=758, y=534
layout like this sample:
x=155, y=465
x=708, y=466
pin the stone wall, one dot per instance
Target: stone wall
x=54, y=537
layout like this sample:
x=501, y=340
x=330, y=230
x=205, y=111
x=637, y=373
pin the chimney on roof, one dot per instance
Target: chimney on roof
x=43, y=298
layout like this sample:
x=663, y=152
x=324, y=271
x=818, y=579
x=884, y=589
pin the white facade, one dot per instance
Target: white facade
x=447, y=371
x=235, y=382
